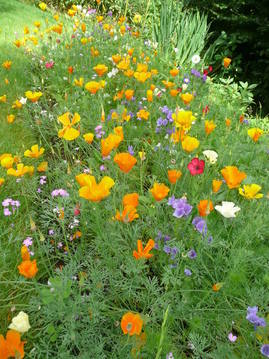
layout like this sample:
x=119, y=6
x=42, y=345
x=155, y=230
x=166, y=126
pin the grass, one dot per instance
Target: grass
x=88, y=280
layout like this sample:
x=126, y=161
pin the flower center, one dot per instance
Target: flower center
x=129, y=327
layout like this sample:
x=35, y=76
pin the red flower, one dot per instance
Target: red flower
x=196, y=166
x=210, y=68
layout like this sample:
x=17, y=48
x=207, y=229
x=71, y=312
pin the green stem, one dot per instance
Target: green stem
x=160, y=347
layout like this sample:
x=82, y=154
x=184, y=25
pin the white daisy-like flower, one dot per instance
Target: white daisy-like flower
x=211, y=156
x=23, y=100
x=227, y=209
x=195, y=59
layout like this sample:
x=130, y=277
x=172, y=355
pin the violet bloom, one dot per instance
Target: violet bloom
x=181, y=206
x=200, y=225
x=187, y=272
x=51, y=232
x=192, y=254
x=265, y=350
x=254, y=319
x=28, y=241
x=6, y=202
x=131, y=150
x=59, y=192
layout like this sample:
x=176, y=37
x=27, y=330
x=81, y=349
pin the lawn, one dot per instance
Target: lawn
x=141, y=230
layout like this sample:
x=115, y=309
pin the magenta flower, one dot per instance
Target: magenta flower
x=49, y=64
x=196, y=166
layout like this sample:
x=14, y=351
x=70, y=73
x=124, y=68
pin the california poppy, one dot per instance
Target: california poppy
x=131, y=324
x=143, y=253
x=174, y=175
x=12, y=346
x=33, y=96
x=159, y=191
x=186, y=98
x=209, y=126
x=100, y=69
x=233, y=177
x=28, y=268
x=128, y=214
x=125, y=161
x=93, y=191
x=68, y=132
x=216, y=184
x=251, y=191
x=255, y=133
x=35, y=152
x=226, y=62
x=189, y=143
x=205, y=207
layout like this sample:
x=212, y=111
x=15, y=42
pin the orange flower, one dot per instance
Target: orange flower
x=70, y=69
x=131, y=324
x=129, y=214
x=42, y=167
x=88, y=137
x=174, y=175
x=173, y=92
x=226, y=62
x=205, y=207
x=227, y=122
x=144, y=253
x=159, y=191
x=131, y=199
x=7, y=65
x=10, y=118
x=28, y=268
x=20, y=171
x=142, y=76
x=92, y=87
x=116, y=58
x=186, y=98
x=129, y=94
x=233, y=177
x=174, y=72
x=93, y=191
x=125, y=161
x=12, y=346
x=3, y=98
x=100, y=69
x=25, y=255
x=217, y=286
x=209, y=126
x=35, y=152
x=109, y=143
x=149, y=95
x=216, y=184
x=142, y=114
x=255, y=133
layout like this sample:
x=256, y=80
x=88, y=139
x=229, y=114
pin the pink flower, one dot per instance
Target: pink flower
x=49, y=64
x=196, y=166
x=232, y=337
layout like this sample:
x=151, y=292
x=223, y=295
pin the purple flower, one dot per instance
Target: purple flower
x=102, y=168
x=28, y=241
x=59, y=192
x=192, y=254
x=131, y=150
x=200, y=225
x=265, y=350
x=187, y=272
x=6, y=202
x=51, y=232
x=169, y=356
x=232, y=337
x=181, y=206
x=167, y=249
x=7, y=212
x=253, y=318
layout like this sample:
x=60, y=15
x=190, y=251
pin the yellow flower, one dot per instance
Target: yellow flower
x=10, y=118
x=42, y=6
x=92, y=87
x=174, y=72
x=20, y=171
x=209, y=126
x=226, y=62
x=2, y=180
x=142, y=76
x=159, y=191
x=88, y=137
x=34, y=152
x=255, y=133
x=93, y=191
x=137, y=18
x=3, y=98
x=17, y=104
x=190, y=144
x=33, y=96
x=183, y=119
x=68, y=132
x=186, y=98
x=142, y=114
x=42, y=167
x=79, y=82
x=250, y=191
x=7, y=65
x=6, y=160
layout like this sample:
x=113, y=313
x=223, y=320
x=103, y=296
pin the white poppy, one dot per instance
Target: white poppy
x=20, y=323
x=227, y=209
x=195, y=59
x=211, y=156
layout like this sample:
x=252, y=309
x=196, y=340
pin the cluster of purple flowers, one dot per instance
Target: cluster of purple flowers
x=27, y=243
x=163, y=123
x=42, y=181
x=162, y=239
x=59, y=193
x=181, y=206
x=196, y=73
x=253, y=318
x=200, y=226
x=99, y=131
x=10, y=206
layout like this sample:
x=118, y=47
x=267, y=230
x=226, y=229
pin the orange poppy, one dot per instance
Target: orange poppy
x=28, y=268
x=227, y=122
x=209, y=126
x=255, y=133
x=174, y=72
x=226, y=62
x=159, y=191
x=128, y=214
x=217, y=286
x=186, y=98
x=25, y=255
x=174, y=175
x=129, y=94
x=100, y=69
x=149, y=95
x=12, y=346
x=233, y=177
x=216, y=184
x=131, y=199
x=205, y=207
x=93, y=191
x=143, y=253
x=109, y=143
x=125, y=161
x=131, y=324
